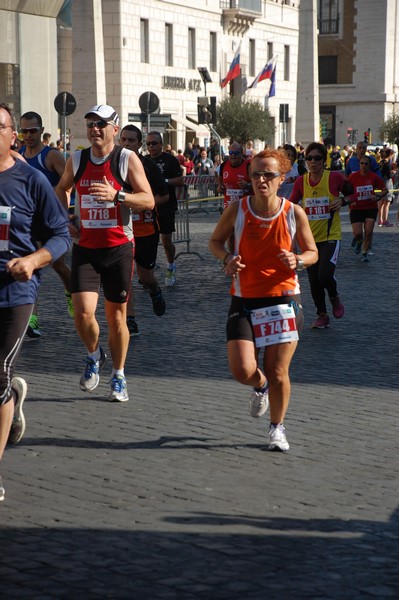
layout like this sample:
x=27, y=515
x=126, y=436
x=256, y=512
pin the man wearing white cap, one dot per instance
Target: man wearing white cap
x=110, y=184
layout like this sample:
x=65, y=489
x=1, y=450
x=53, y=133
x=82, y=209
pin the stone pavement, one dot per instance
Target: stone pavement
x=173, y=496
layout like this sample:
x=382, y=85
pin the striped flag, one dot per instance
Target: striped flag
x=265, y=73
x=272, y=89
x=234, y=70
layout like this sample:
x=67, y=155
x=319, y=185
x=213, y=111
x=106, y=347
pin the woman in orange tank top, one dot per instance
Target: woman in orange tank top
x=265, y=311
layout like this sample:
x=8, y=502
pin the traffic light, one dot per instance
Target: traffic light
x=367, y=136
x=202, y=108
x=206, y=108
x=212, y=110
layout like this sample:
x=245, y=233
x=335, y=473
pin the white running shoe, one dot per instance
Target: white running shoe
x=259, y=403
x=18, y=425
x=170, y=277
x=278, y=439
x=118, y=389
x=91, y=378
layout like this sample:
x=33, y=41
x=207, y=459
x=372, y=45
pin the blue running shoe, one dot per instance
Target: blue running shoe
x=118, y=389
x=91, y=378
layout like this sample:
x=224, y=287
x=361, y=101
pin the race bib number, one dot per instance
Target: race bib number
x=364, y=192
x=274, y=325
x=235, y=194
x=97, y=215
x=317, y=208
x=5, y=221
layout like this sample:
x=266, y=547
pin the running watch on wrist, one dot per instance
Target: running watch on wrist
x=299, y=264
x=119, y=198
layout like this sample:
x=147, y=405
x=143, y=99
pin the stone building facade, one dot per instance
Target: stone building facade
x=358, y=67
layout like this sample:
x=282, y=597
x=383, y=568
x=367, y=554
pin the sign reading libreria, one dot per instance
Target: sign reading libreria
x=180, y=83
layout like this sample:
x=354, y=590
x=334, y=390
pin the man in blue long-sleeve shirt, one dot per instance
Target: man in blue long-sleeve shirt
x=29, y=211
x=353, y=163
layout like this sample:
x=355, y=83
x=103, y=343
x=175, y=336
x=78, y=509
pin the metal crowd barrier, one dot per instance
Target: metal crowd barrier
x=199, y=193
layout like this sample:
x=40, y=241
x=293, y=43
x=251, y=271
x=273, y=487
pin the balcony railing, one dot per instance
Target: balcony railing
x=328, y=26
x=253, y=6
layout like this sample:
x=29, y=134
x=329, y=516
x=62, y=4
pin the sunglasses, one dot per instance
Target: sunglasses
x=364, y=162
x=152, y=143
x=264, y=174
x=32, y=130
x=235, y=152
x=317, y=158
x=100, y=124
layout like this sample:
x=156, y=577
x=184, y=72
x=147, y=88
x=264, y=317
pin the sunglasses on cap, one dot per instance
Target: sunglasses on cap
x=32, y=130
x=100, y=124
x=317, y=157
x=154, y=143
x=235, y=152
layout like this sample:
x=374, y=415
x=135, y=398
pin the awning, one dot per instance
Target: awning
x=199, y=130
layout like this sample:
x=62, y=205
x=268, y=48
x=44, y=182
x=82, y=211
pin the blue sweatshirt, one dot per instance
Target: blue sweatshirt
x=31, y=212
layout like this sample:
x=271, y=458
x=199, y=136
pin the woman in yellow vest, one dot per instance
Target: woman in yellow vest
x=321, y=194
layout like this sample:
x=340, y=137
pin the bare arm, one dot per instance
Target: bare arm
x=65, y=185
x=309, y=253
x=176, y=181
x=160, y=199
x=55, y=161
x=221, y=234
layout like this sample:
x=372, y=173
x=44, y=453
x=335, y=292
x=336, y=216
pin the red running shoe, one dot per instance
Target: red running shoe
x=322, y=321
x=338, y=307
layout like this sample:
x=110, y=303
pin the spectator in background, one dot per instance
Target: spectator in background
x=214, y=149
x=46, y=139
x=204, y=165
x=249, y=149
x=180, y=157
x=353, y=163
x=285, y=188
x=336, y=160
x=386, y=174
x=188, y=163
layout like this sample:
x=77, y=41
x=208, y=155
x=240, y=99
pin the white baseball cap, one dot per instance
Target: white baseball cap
x=105, y=112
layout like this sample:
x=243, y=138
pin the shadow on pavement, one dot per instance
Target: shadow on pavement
x=290, y=559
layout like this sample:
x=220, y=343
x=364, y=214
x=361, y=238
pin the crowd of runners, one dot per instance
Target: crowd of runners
x=281, y=214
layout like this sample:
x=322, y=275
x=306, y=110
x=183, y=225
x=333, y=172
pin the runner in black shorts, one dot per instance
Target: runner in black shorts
x=170, y=169
x=239, y=324
x=109, y=268
x=369, y=189
x=111, y=188
x=146, y=234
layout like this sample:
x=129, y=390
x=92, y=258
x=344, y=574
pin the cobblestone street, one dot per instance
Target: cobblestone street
x=173, y=495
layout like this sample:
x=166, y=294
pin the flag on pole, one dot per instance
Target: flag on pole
x=265, y=73
x=272, y=89
x=234, y=70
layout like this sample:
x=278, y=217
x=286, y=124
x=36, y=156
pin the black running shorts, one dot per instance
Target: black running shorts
x=111, y=268
x=145, y=252
x=239, y=324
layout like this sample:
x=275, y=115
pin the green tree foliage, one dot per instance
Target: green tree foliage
x=242, y=121
x=389, y=130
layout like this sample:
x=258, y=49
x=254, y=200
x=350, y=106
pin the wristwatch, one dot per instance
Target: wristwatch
x=299, y=264
x=120, y=197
